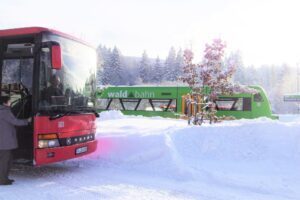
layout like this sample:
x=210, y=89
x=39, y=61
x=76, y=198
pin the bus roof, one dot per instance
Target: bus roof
x=36, y=30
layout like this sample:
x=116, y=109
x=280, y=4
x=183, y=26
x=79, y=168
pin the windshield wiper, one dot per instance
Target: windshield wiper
x=59, y=115
x=90, y=110
x=77, y=111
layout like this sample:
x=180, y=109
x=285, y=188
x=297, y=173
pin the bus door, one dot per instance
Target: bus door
x=17, y=63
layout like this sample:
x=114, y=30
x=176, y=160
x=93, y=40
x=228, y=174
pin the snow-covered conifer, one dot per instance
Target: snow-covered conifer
x=144, y=68
x=179, y=64
x=115, y=68
x=104, y=54
x=157, y=72
x=170, y=66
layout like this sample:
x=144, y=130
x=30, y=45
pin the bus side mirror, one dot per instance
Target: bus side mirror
x=56, y=60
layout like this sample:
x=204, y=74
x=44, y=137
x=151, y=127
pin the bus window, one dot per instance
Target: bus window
x=18, y=71
x=173, y=105
x=103, y=103
x=229, y=103
x=130, y=104
x=17, y=83
x=115, y=105
x=145, y=105
x=224, y=104
x=247, y=104
x=164, y=105
x=258, y=97
x=238, y=104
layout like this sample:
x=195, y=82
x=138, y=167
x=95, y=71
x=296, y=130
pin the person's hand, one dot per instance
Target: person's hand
x=29, y=120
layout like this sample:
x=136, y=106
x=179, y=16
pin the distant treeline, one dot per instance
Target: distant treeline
x=116, y=69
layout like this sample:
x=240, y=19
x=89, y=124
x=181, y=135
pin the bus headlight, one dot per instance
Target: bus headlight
x=48, y=141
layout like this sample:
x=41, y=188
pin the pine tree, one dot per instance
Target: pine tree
x=116, y=71
x=179, y=64
x=285, y=84
x=170, y=71
x=157, y=72
x=239, y=75
x=105, y=64
x=100, y=63
x=253, y=76
x=144, y=68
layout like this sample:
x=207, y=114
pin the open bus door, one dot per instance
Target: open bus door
x=16, y=82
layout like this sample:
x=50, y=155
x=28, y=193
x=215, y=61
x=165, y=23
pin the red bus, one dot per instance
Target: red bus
x=51, y=77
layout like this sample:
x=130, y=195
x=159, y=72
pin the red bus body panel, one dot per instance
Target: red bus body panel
x=35, y=30
x=64, y=127
x=62, y=153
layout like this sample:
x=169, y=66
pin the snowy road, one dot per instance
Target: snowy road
x=155, y=158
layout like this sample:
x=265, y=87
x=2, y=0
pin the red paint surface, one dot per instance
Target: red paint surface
x=36, y=30
x=62, y=153
x=64, y=127
x=56, y=57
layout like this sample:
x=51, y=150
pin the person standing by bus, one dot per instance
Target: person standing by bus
x=8, y=138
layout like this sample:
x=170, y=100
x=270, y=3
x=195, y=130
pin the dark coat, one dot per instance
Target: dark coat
x=8, y=137
x=50, y=92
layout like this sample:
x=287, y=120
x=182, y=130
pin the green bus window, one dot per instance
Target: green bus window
x=247, y=104
x=232, y=103
x=173, y=105
x=223, y=104
x=145, y=105
x=115, y=105
x=130, y=104
x=238, y=104
x=102, y=103
x=164, y=105
x=258, y=97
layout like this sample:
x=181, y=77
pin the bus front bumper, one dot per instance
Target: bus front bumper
x=52, y=155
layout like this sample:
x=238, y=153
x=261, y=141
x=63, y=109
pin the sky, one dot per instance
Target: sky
x=265, y=32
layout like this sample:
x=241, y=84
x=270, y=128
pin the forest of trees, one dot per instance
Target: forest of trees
x=116, y=69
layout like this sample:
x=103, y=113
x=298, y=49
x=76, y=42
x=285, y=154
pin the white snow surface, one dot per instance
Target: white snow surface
x=158, y=158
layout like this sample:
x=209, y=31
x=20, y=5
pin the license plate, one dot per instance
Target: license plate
x=81, y=150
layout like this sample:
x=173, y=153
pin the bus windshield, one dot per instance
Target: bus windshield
x=71, y=88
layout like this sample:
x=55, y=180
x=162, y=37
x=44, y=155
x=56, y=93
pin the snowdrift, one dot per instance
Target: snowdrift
x=181, y=151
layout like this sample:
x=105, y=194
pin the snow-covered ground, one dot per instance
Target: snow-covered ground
x=157, y=158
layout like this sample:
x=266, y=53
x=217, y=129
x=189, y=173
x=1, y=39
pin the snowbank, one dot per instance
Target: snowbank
x=268, y=150
x=114, y=114
x=181, y=146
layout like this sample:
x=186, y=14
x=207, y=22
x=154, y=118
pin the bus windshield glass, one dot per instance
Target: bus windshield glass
x=72, y=87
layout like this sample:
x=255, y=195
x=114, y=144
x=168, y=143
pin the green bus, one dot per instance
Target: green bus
x=169, y=101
